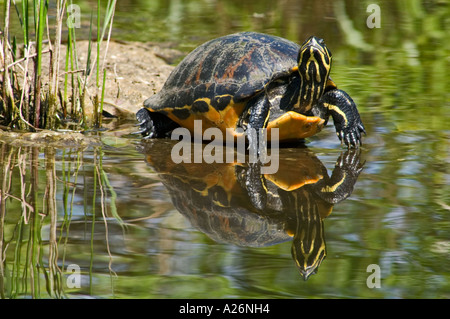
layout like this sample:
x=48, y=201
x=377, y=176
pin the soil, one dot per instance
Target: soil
x=134, y=72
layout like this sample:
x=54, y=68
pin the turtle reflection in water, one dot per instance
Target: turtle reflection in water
x=235, y=204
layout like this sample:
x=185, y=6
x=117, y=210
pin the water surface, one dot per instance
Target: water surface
x=110, y=211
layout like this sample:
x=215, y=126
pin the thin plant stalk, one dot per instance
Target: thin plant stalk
x=97, y=115
x=60, y=7
x=98, y=44
x=66, y=78
x=75, y=82
x=103, y=97
x=39, y=103
x=88, y=67
x=7, y=91
x=25, y=23
x=42, y=12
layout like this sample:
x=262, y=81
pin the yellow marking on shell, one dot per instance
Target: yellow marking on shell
x=223, y=95
x=227, y=118
x=224, y=177
x=331, y=189
x=210, y=181
x=187, y=122
x=231, y=114
x=337, y=110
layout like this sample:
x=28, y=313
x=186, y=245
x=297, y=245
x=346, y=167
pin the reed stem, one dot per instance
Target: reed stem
x=33, y=103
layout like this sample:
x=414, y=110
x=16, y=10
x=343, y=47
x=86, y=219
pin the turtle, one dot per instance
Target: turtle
x=222, y=201
x=252, y=80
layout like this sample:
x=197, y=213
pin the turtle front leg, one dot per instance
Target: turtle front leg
x=259, y=109
x=347, y=121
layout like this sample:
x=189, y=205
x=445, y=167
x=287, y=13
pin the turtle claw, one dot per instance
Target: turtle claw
x=149, y=136
x=154, y=124
x=350, y=161
x=145, y=124
x=143, y=128
x=361, y=128
x=351, y=136
x=140, y=132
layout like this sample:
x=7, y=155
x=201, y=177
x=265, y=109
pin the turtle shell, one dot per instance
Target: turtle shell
x=216, y=80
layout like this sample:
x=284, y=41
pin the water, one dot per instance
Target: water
x=117, y=212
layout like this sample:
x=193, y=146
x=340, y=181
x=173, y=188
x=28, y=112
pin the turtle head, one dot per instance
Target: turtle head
x=314, y=64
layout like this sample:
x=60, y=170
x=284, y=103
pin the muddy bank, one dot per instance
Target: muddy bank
x=134, y=71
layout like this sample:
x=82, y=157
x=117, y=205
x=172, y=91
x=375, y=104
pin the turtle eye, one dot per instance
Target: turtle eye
x=321, y=42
